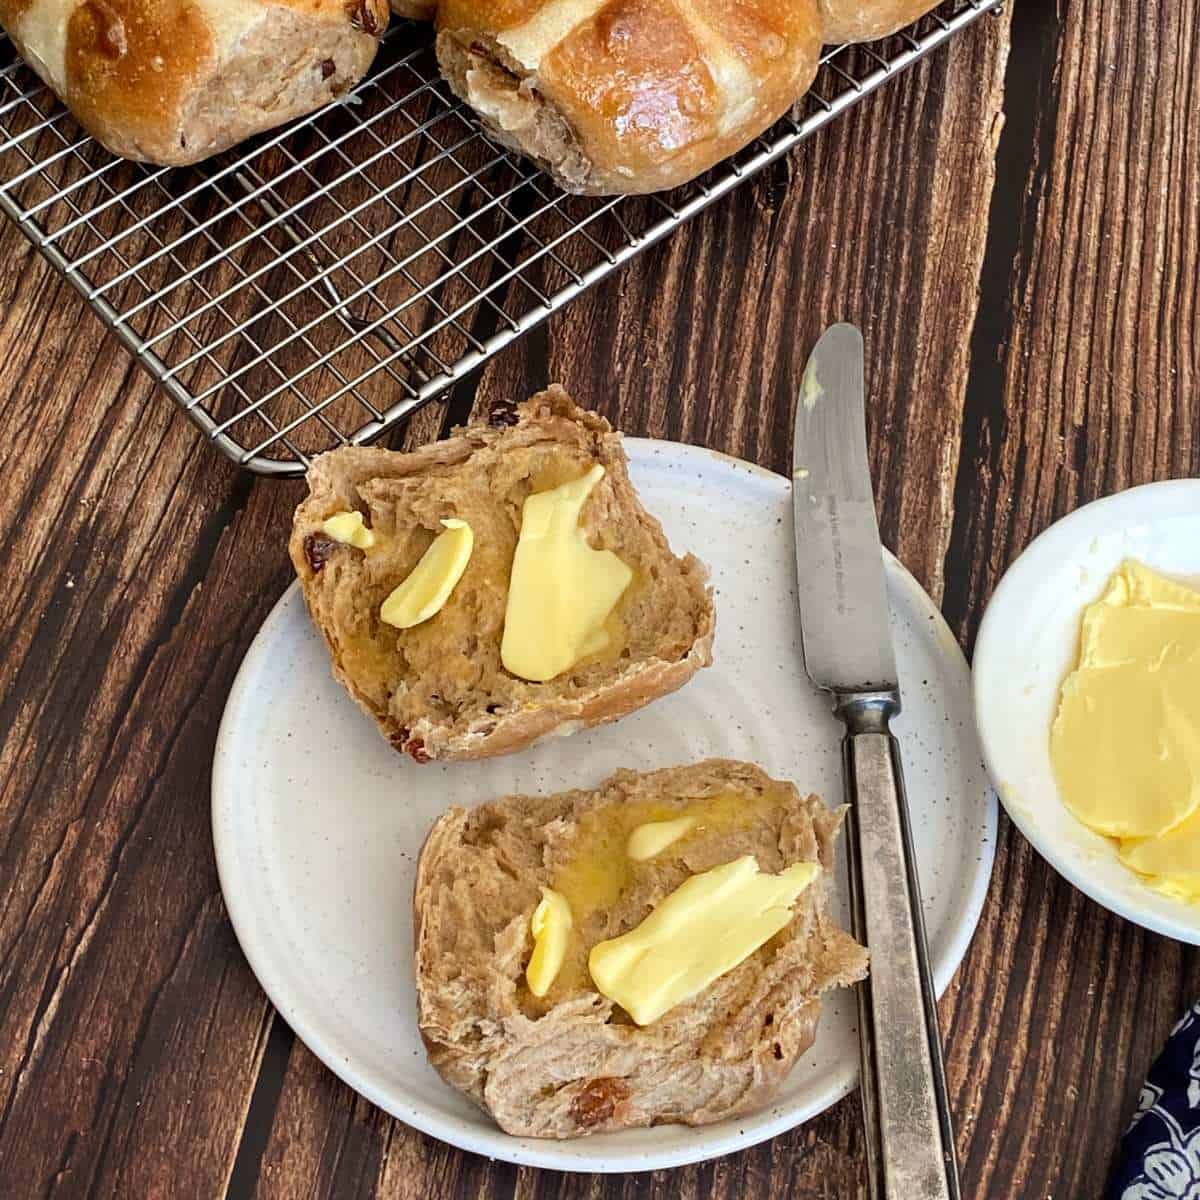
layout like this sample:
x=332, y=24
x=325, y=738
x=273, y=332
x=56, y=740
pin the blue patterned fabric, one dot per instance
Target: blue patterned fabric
x=1159, y=1156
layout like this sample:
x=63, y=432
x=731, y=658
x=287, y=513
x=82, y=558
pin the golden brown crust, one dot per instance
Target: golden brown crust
x=635, y=95
x=866, y=20
x=173, y=81
x=569, y=1065
x=636, y=71
x=109, y=59
x=439, y=691
x=490, y=14
x=617, y=96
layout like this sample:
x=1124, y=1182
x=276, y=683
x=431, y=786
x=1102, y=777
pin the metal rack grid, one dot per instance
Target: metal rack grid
x=317, y=285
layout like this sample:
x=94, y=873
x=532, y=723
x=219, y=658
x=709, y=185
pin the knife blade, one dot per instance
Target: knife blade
x=843, y=595
x=846, y=635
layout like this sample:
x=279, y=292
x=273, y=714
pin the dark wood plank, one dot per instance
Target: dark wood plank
x=1084, y=382
x=131, y=1031
x=881, y=219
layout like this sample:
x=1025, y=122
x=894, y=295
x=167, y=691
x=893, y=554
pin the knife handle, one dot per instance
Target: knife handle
x=906, y=1111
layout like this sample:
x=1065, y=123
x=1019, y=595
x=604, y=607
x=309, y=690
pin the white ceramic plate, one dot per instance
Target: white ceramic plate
x=318, y=822
x=1029, y=641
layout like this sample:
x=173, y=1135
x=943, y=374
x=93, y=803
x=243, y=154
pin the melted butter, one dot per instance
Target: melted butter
x=371, y=661
x=424, y=591
x=552, y=472
x=562, y=591
x=350, y=529
x=650, y=840
x=707, y=926
x=551, y=930
x=615, y=628
x=1125, y=744
x=599, y=868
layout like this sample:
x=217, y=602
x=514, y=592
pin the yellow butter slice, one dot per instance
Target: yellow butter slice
x=1148, y=638
x=430, y=582
x=1146, y=588
x=1125, y=743
x=349, y=529
x=551, y=927
x=1141, y=617
x=1126, y=749
x=561, y=591
x=1171, y=861
x=706, y=927
x=654, y=837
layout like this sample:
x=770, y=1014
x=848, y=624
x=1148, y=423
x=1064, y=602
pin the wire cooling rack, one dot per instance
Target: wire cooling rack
x=316, y=286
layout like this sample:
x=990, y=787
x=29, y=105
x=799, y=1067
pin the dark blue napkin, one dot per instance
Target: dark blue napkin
x=1159, y=1156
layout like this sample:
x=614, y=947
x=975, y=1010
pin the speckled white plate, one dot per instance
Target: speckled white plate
x=318, y=822
x=1029, y=641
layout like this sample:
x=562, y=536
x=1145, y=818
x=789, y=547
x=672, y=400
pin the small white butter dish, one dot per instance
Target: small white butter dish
x=1028, y=642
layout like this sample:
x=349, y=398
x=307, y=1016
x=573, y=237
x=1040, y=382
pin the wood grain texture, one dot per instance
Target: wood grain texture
x=114, y=945
x=1019, y=237
x=1084, y=383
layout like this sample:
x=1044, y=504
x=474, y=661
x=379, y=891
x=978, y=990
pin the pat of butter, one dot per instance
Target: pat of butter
x=349, y=529
x=561, y=590
x=430, y=582
x=551, y=927
x=655, y=836
x=1125, y=743
x=1171, y=861
x=705, y=927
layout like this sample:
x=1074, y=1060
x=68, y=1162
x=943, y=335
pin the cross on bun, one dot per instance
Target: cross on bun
x=617, y=96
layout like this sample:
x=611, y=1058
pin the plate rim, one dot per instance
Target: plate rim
x=1070, y=530
x=495, y=1144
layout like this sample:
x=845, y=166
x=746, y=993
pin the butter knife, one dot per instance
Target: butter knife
x=848, y=653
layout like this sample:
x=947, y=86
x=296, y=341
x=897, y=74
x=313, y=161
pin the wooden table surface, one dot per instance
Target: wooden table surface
x=1015, y=225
